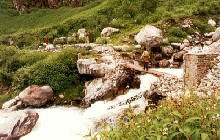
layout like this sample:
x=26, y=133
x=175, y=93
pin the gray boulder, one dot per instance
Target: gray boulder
x=149, y=36
x=36, y=95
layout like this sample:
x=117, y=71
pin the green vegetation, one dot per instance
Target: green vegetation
x=35, y=26
x=185, y=118
x=20, y=69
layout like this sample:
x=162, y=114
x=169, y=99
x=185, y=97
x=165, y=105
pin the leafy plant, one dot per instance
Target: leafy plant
x=189, y=117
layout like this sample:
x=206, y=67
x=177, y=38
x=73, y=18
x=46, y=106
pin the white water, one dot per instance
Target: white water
x=60, y=123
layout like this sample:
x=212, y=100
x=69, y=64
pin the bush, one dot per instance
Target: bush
x=58, y=71
x=5, y=78
x=181, y=118
x=23, y=59
x=203, y=26
x=173, y=39
x=7, y=52
x=23, y=78
x=176, y=32
x=14, y=65
x=102, y=40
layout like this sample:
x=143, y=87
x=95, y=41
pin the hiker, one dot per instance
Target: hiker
x=146, y=57
x=47, y=40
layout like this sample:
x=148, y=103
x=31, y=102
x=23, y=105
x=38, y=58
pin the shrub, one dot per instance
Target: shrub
x=7, y=52
x=57, y=70
x=173, y=39
x=71, y=40
x=30, y=58
x=23, y=78
x=14, y=65
x=23, y=59
x=184, y=118
x=102, y=40
x=24, y=42
x=203, y=26
x=176, y=32
x=5, y=78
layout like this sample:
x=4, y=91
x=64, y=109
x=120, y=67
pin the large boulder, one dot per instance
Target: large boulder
x=149, y=36
x=15, y=124
x=108, y=31
x=36, y=95
x=216, y=35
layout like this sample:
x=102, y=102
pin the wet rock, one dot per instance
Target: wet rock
x=36, y=95
x=135, y=82
x=114, y=83
x=15, y=124
x=179, y=56
x=164, y=63
x=167, y=51
x=158, y=56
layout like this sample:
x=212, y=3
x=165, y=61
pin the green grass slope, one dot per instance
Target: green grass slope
x=33, y=27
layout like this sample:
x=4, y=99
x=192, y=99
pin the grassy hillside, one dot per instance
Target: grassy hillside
x=96, y=15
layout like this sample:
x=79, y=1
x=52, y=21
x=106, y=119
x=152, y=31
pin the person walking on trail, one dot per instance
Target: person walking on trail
x=146, y=57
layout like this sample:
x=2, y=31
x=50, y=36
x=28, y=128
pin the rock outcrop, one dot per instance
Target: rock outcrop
x=114, y=83
x=36, y=95
x=93, y=68
x=15, y=124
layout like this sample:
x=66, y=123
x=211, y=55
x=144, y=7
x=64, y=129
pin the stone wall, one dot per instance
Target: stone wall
x=195, y=68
